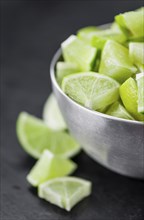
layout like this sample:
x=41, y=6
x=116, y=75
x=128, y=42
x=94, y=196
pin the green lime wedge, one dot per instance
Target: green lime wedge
x=115, y=62
x=136, y=51
x=79, y=53
x=129, y=96
x=65, y=68
x=99, y=37
x=52, y=115
x=132, y=22
x=140, y=84
x=86, y=30
x=92, y=90
x=35, y=137
x=65, y=192
x=117, y=110
x=49, y=167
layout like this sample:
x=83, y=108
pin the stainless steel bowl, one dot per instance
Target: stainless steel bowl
x=118, y=144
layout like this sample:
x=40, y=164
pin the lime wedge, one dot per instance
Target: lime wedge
x=129, y=96
x=136, y=51
x=140, y=84
x=115, y=62
x=117, y=110
x=86, y=30
x=132, y=22
x=98, y=38
x=65, y=68
x=35, y=137
x=52, y=115
x=79, y=53
x=49, y=167
x=65, y=192
x=91, y=89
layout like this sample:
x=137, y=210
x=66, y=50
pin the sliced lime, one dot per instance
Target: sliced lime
x=65, y=68
x=79, y=53
x=132, y=22
x=129, y=96
x=117, y=110
x=136, y=51
x=65, y=192
x=115, y=62
x=49, y=167
x=52, y=115
x=35, y=137
x=140, y=84
x=91, y=89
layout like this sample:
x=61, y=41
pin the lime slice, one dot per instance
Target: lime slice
x=91, y=89
x=129, y=96
x=136, y=51
x=115, y=62
x=52, y=115
x=35, y=137
x=65, y=192
x=79, y=53
x=65, y=68
x=140, y=84
x=49, y=167
x=119, y=111
x=132, y=22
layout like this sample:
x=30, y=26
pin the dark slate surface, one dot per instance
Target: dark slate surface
x=31, y=33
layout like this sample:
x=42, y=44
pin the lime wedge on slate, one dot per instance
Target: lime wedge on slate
x=140, y=84
x=117, y=110
x=132, y=22
x=52, y=115
x=65, y=192
x=49, y=167
x=35, y=137
x=92, y=90
x=136, y=51
x=129, y=96
x=115, y=62
x=65, y=68
x=79, y=53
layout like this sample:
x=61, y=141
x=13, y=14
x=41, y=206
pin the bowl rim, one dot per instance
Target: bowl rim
x=96, y=113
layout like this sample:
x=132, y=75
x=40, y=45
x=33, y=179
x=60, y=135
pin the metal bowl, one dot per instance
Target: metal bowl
x=116, y=143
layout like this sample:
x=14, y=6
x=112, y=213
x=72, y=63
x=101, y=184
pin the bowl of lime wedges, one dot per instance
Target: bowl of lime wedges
x=98, y=80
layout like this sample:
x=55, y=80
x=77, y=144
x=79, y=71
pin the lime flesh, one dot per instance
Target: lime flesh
x=79, y=53
x=65, y=68
x=65, y=192
x=136, y=51
x=92, y=90
x=52, y=115
x=129, y=96
x=49, y=167
x=140, y=84
x=115, y=62
x=132, y=22
x=35, y=137
x=119, y=111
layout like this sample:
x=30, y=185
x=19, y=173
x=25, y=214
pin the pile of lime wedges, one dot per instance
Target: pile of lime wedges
x=49, y=141
x=102, y=69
